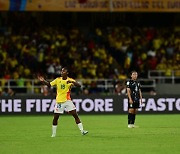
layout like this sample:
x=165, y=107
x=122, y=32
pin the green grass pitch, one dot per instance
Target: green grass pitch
x=108, y=134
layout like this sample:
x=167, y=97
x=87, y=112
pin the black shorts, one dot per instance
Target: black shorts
x=134, y=105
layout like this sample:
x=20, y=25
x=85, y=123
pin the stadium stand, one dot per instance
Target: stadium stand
x=35, y=45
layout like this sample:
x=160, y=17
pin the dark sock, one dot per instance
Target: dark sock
x=133, y=118
x=130, y=118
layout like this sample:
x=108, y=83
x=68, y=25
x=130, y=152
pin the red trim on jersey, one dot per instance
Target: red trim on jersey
x=68, y=96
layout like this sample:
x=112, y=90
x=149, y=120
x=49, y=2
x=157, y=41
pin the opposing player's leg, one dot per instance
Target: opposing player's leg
x=130, y=115
x=78, y=122
x=135, y=107
x=134, y=117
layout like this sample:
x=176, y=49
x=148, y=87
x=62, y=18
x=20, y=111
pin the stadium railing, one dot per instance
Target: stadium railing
x=165, y=76
x=33, y=86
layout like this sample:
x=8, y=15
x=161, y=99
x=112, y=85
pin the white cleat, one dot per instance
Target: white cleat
x=130, y=126
x=53, y=135
x=134, y=126
x=84, y=132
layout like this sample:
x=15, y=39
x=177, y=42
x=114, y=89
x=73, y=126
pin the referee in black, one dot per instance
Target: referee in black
x=134, y=98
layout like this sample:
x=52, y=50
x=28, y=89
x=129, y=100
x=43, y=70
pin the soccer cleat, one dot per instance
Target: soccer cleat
x=130, y=126
x=53, y=135
x=134, y=126
x=84, y=132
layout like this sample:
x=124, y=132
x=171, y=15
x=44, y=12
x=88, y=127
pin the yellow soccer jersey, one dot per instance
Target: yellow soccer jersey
x=63, y=89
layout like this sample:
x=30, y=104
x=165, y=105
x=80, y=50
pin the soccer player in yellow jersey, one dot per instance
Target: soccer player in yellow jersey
x=63, y=99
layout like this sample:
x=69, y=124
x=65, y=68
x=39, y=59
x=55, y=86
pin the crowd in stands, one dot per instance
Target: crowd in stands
x=96, y=53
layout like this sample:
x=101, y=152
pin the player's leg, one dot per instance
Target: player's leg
x=134, y=117
x=55, y=119
x=55, y=123
x=75, y=115
x=78, y=122
x=58, y=109
x=130, y=115
x=72, y=110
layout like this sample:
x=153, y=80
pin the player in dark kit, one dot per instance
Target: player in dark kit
x=134, y=98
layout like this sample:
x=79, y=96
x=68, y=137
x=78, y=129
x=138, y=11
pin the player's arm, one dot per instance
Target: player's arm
x=129, y=95
x=140, y=94
x=75, y=83
x=44, y=81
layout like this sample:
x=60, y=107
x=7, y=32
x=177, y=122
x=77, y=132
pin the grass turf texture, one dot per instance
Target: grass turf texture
x=107, y=134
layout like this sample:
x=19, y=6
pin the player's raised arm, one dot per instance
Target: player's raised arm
x=41, y=78
x=75, y=83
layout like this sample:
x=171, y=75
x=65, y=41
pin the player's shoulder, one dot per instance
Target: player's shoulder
x=69, y=78
x=128, y=82
x=58, y=78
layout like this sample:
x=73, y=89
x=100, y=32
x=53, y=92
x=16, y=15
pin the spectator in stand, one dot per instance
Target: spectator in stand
x=120, y=88
x=1, y=92
x=45, y=90
x=32, y=48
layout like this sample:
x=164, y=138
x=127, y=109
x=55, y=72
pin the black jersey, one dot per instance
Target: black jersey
x=134, y=88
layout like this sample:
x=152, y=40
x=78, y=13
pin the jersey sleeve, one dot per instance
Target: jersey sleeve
x=54, y=82
x=70, y=79
x=128, y=84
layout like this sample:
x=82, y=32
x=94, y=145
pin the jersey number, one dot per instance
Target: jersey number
x=58, y=106
x=62, y=86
